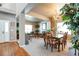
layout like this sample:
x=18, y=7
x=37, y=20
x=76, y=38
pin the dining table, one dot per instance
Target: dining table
x=58, y=39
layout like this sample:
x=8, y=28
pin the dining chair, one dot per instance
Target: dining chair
x=64, y=39
x=50, y=42
x=47, y=39
x=53, y=44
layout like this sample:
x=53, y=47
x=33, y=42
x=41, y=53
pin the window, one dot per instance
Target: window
x=28, y=28
x=63, y=28
x=44, y=26
x=6, y=27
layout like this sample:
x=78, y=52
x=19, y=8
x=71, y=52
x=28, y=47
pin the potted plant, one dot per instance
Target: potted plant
x=70, y=16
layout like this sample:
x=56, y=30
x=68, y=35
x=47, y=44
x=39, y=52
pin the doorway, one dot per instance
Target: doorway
x=4, y=31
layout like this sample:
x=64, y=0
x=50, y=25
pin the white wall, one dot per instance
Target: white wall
x=7, y=16
x=31, y=23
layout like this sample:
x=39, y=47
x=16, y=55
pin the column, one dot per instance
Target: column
x=22, y=29
x=53, y=24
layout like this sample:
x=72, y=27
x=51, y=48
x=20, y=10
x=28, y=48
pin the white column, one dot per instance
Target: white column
x=22, y=29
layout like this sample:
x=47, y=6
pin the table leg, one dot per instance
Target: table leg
x=62, y=46
x=51, y=48
x=58, y=46
x=47, y=46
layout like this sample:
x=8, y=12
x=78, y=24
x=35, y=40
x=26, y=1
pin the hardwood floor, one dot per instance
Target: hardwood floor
x=12, y=49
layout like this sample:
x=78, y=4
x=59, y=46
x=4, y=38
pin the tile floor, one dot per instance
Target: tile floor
x=36, y=48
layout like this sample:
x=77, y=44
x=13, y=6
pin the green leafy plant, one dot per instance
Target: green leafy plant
x=48, y=30
x=75, y=46
x=70, y=16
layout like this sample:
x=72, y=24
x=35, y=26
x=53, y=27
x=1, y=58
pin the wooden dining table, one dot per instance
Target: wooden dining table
x=58, y=39
x=53, y=41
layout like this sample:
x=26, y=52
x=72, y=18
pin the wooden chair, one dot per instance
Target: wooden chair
x=50, y=41
x=46, y=39
x=53, y=44
x=64, y=41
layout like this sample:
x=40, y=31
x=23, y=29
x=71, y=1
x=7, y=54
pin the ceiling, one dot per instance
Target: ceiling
x=38, y=15
x=33, y=19
x=8, y=7
x=37, y=11
x=45, y=10
x=41, y=11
